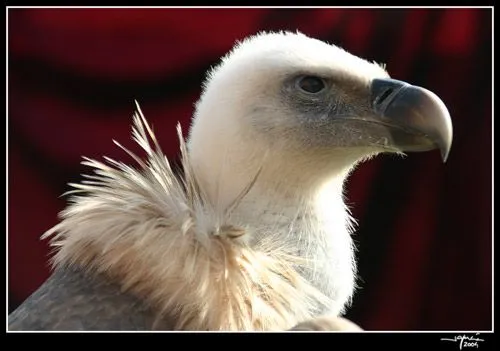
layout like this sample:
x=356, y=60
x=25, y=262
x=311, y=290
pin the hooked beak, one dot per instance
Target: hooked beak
x=417, y=118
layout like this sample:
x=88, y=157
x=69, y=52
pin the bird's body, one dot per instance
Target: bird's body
x=255, y=234
x=72, y=299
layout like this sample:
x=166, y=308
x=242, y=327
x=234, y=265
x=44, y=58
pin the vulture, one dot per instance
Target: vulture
x=254, y=233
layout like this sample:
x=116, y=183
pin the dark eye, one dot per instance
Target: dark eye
x=311, y=84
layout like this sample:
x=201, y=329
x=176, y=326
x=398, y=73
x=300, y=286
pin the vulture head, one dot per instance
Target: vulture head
x=306, y=112
x=255, y=234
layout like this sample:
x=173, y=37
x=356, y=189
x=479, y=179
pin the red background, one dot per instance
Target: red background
x=425, y=229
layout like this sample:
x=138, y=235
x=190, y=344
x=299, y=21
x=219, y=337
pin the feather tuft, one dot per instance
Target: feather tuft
x=159, y=236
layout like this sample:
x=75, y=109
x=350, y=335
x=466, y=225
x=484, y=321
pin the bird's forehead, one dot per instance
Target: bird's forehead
x=282, y=53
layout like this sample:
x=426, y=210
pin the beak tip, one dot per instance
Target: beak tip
x=445, y=148
x=444, y=155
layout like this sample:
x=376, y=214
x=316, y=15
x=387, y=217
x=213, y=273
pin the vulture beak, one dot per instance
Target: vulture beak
x=417, y=118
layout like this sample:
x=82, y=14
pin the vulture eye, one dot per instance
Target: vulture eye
x=311, y=84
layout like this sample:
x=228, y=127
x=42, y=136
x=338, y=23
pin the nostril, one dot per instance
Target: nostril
x=384, y=92
x=384, y=95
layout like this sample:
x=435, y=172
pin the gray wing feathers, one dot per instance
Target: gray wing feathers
x=71, y=300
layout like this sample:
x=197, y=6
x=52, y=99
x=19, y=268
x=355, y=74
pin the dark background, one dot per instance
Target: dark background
x=425, y=228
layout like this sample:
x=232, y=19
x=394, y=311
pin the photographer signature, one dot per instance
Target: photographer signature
x=465, y=341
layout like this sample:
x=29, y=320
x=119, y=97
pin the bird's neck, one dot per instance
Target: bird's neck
x=296, y=203
x=286, y=199
x=285, y=180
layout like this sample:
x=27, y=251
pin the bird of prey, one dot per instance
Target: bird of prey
x=254, y=234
